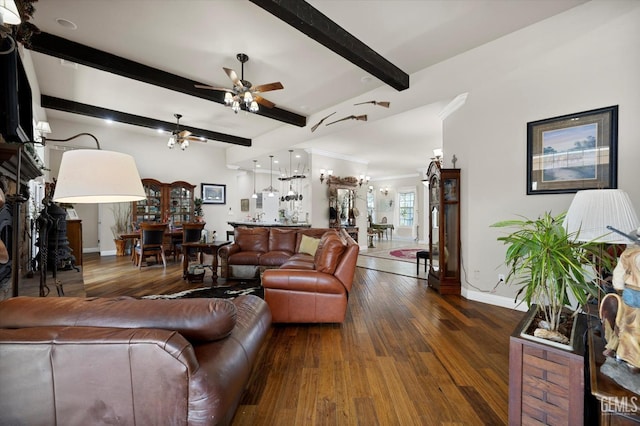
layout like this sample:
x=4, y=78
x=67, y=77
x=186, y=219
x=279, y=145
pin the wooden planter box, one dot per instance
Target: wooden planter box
x=546, y=383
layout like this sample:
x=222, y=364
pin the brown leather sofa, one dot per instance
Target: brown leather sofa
x=76, y=361
x=256, y=249
x=300, y=287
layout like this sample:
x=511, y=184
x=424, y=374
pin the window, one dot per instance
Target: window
x=370, y=204
x=406, y=202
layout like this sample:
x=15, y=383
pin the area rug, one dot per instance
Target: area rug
x=228, y=292
x=406, y=254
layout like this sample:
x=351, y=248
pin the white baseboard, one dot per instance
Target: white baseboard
x=493, y=299
x=108, y=253
x=91, y=250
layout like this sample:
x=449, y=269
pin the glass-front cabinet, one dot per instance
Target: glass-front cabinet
x=444, y=229
x=170, y=203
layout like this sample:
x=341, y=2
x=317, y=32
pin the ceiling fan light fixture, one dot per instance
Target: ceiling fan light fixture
x=248, y=98
x=172, y=142
x=253, y=107
x=184, y=145
x=228, y=99
x=235, y=106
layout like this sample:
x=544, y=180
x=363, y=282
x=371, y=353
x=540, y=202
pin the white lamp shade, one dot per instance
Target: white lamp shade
x=9, y=12
x=592, y=210
x=97, y=176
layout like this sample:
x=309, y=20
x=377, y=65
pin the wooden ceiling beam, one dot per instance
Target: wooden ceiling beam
x=310, y=21
x=59, y=47
x=65, y=105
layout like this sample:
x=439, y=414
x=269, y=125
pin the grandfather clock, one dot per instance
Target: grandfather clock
x=444, y=229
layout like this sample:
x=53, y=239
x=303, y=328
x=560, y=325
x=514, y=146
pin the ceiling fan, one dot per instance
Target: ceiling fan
x=243, y=92
x=182, y=137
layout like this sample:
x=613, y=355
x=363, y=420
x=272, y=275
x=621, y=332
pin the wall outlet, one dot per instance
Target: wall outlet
x=501, y=278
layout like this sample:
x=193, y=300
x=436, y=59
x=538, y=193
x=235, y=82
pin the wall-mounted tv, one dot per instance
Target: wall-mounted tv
x=16, y=109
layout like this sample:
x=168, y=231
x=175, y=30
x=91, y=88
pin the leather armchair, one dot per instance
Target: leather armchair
x=313, y=289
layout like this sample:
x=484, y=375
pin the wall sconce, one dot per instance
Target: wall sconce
x=370, y=189
x=385, y=191
x=364, y=179
x=322, y=172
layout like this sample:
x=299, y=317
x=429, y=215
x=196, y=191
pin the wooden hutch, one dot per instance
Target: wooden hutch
x=165, y=203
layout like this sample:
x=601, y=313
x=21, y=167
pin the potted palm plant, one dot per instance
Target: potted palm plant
x=556, y=277
x=551, y=269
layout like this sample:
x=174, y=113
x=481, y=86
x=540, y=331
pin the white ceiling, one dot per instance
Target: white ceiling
x=196, y=38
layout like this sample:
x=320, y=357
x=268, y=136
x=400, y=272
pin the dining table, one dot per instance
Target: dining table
x=174, y=235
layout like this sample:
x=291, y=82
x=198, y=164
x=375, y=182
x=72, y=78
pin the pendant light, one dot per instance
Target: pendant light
x=290, y=193
x=255, y=194
x=271, y=194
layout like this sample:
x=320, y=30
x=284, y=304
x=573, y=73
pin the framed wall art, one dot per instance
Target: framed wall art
x=213, y=193
x=573, y=152
x=244, y=205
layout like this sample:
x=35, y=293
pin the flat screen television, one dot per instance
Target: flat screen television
x=16, y=109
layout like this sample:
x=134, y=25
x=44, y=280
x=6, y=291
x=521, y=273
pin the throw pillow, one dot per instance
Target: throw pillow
x=309, y=245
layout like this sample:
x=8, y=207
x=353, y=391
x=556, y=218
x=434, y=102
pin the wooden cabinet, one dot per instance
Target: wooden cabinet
x=165, y=203
x=74, y=235
x=444, y=229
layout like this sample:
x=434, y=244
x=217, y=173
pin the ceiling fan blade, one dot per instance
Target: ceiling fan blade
x=222, y=89
x=184, y=134
x=233, y=76
x=268, y=87
x=264, y=102
x=196, y=139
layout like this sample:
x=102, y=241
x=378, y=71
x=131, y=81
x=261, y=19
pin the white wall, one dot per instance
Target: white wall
x=586, y=58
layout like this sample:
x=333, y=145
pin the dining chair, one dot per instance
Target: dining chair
x=151, y=242
x=191, y=233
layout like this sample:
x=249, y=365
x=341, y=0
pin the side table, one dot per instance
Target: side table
x=210, y=248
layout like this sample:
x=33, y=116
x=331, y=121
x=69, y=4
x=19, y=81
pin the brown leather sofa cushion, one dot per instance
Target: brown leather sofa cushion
x=329, y=251
x=282, y=240
x=252, y=239
x=199, y=320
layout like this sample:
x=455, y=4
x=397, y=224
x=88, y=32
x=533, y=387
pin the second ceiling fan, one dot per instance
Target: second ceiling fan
x=243, y=92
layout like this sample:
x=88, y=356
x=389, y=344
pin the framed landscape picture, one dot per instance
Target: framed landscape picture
x=213, y=193
x=573, y=152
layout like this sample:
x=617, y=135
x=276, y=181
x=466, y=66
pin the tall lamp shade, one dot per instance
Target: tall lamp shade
x=592, y=210
x=97, y=176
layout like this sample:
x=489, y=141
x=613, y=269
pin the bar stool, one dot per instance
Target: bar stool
x=422, y=254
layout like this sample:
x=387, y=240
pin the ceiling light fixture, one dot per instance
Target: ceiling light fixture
x=255, y=194
x=322, y=172
x=181, y=137
x=243, y=92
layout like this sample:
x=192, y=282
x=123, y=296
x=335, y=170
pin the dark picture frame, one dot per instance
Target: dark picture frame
x=212, y=193
x=573, y=152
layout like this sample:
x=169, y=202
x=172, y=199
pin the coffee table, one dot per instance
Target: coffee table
x=209, y=248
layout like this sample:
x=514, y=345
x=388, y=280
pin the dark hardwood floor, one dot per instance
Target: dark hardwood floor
x=404, y=356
